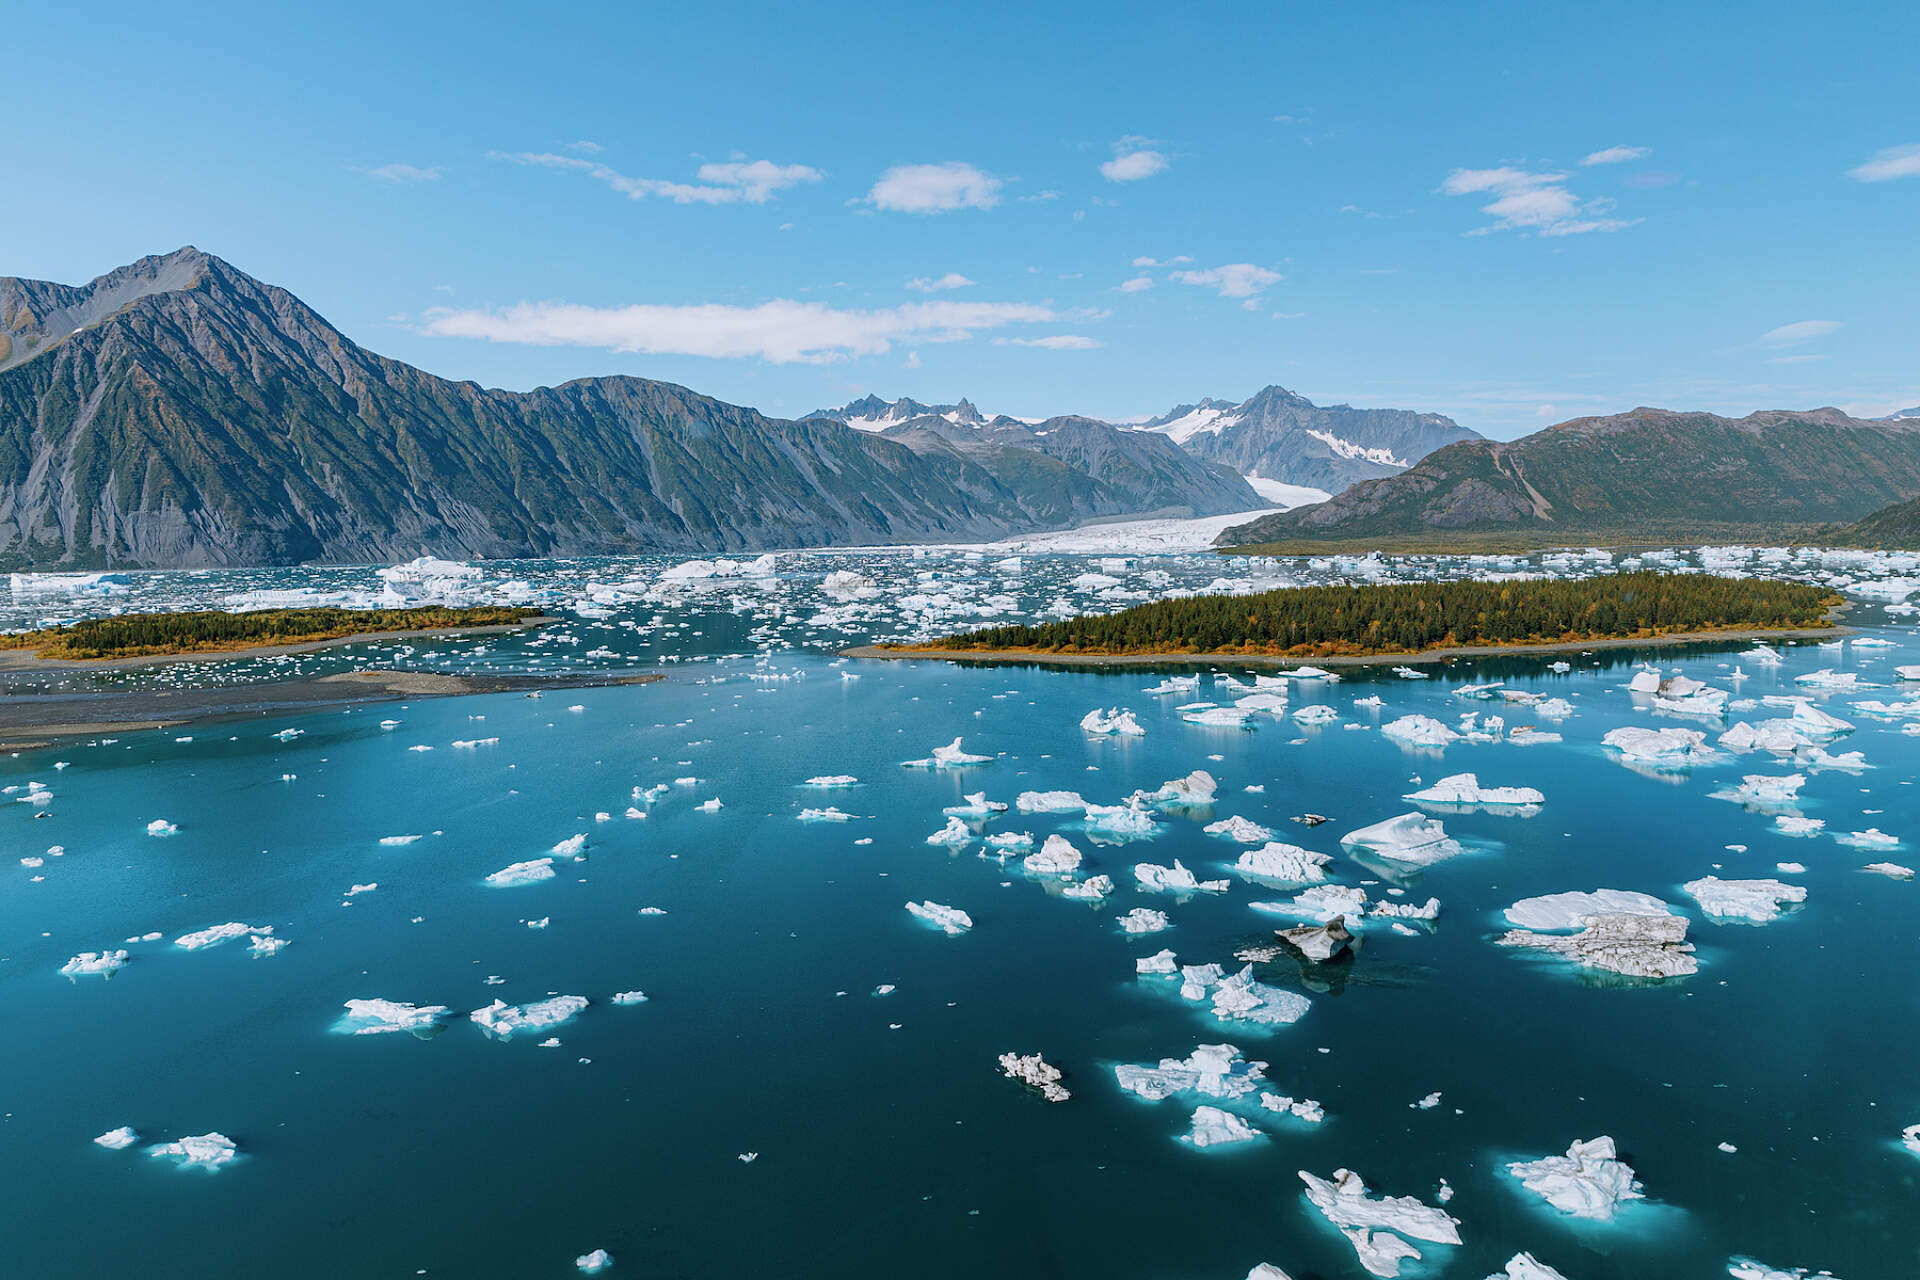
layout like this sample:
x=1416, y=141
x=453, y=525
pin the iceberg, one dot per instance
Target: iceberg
x=1378, y=1229
x=1159, y=962
x=950, y=920
x=1465, y=789
x=1412, y=838
x=828, y=814
x=1419, y=731
x=117, y=1139
x=209, y=1151
x=1241, y=998
x=1288, y=863
x=1632, y=944
x=502, y=1020
x=948, y=757
x=1871, y=838
x=1175, y=685
x=1213, y=1127
x=1144, y=920
x=1299, y=1108
x=1196, y=790
x=161, y=827
x=1662, y=748
x=107, y=963
x=1318, y=942
x=977, y=806
x=1589, y=1181
x=1891, y=870
x=1115, y=721
x=1057, y=857
x=1240, y=830
x=218, y=934
x=1792, y=824
x=1758, y=901
x=1524, y=1266
x=1213, y=1071
x=1570, y=910
x=594, y=1263
x=1095, y=889
x=832, y=780
x=1316, y=713
x=1050, y=802
x=1174, y=879
x=1749, y=1269
x=1036, y=1072
x=530, y=872
x=376, y=1017
x=1764, y=789
x=1131, y=820
x=954, y=835
x=1322, y=903
x=1217, y=717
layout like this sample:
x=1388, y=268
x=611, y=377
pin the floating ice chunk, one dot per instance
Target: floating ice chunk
x=218, y=934
x=265, y=944
x=1909, y=1138
x=950, y=756
x=1813, y=720
x=1411, y=838
x=1587, y=1182
x=709, y=806
x=1376, y=1228
x=1194, y=791
x=1663, y=748
x=1764, y=789
x=1428, y=910
x=1408, y=673
x=469, y=744
x=1115, y=721
x=977, y=806
x=532, y=871
x=1159, y=962
x=1317, y=713
x=1050, y=802
x=1299, y=1108
x=1213, y=1127
x=1779, y=736
x=1465, y=789
x=1010, y=841
x=1057, y=857
x=1759, y=901
x=1892, y=870
x=1130, y=820
x=1267, y=1271
x=1270, y=703
x=1320, y=942
x=1216, y=717
x=89, y=963
x=1636, y=945
x=1570, y=910
x=358, y=889
x=208, y=1151
x=1036, y=1072
x=571, y=847
x=1419, y=731
x=394, y=841
x=161, y=827
x=1305, y=673
x=1095, y=889
x=1792, y=824
x=1871, y=838
x=1524, y=1266
x=951, y=920
x=1144, y=920
x=1749, y=1269
x=1241, y=998
x=629, y=997
x=1828, y=678
x=954, y=835
x=1175, y=684
x=594, y=1263
x=1174, y=879
x=1322, y=903
x=1240, y=830
x=1287, y=863
x=1553, y=709
x=502, y=1020
x=828, y=814
x=375, y=1017
x=118, y=1139
x=832, y=780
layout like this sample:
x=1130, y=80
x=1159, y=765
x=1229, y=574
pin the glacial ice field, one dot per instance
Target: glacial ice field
x=768, y=968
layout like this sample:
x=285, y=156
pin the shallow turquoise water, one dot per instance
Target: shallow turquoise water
x=886, y=1151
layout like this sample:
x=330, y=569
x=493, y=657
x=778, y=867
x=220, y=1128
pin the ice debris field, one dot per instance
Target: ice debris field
x=1589, y=967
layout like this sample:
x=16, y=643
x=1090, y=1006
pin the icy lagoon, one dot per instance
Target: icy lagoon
x=796, y=1013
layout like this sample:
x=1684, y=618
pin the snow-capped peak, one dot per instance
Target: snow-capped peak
x=1348, y=449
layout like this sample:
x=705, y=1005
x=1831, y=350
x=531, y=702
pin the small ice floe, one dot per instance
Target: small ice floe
x=1273, y=704
x=1871, y=838
x=1306, y=673
x=1283, y=864
x=1157, y=963
x=531, y=871
x=1765, y=791
x=1465, y=789
x=1570, y=910
x=1408, y=673
x=1427, y=1103
x=1756, y=901
x=1419, y=731
x=1175, y=879
x=470, y=744
x=1034, y=1071
x=1050, y=802
x=117, y=1139
x=1318, y=942
x=541, y=923
x=1304, y=1109
x=950, y=756
x=1093, y=889
x=1909, y=1138
x=572, y=847
x=828, y=814
x=1144, y=920
x=1322, y=903
x=1661, y=748
x=1428, y=910
x=1793, y=824
x=1010, y=842
x=1057, y=857
x=1524, y=1266
x=1213, y=1127
x=1239, y=830
x=1892, y=870
x=217, y=934
x=629, y=997
x=1113, y=722
x=949, y=920
x=594, y=1263
x=503, y=1021
x=1267, y=1271
x=1129, y=820
x=1412, y=838
x=1828, y=678
x=954, y=835
x=102, y=964
x=977, y=806
x=832, y=780
x=1240, y=997
x=709, y=806
x=1378, y=1228
x=395, y=841
x=1749, y=1269
x=288, y=735
x=1317, y=713
x=1216, y=717
x=1821, y=758
x=1178, y=684
x=1635, y=945
x=161, y=827
x=1589, y=1181
x=265, y=944
x=358, y=889
x=210, y=1152
x=377, y=1017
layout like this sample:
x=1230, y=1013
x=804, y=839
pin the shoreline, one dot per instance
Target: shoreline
x=15, y=660
x=1426, y=656
x=31, y=721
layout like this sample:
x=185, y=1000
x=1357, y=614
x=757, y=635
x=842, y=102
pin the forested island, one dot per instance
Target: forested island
x=1412, y=618
x=136, y=635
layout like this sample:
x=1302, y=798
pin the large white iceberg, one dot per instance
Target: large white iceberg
x=1057, y=857
x=1411, y=837
x=1174, y=879
x=1465, y=789
x=376, y=1016
x=1286, y=863
x=1664, y=748
x=1212, y=1070
x=502, y=1020
x=1144, y=920
x=1758, y=901
x=1213, y=1127
x=1589, y=1181
x=1632, y=944
x=210, y=1152
x=950, y=920
x=1050, y=802
x=105, y=964
x=1114, y=722
x=1570, y=910
x=1378, y=1228
x=1240, y=830
x=1419, y=731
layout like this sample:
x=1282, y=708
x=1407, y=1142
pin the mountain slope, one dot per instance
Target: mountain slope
x=1891, y=528
x=179, y=413
x=1277, y=435
x=1648, y=470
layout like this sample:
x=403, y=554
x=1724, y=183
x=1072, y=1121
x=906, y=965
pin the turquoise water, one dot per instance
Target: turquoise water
x=888, y=1149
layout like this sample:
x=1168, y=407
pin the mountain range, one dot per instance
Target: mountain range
x=1650, y=473
x=178, y=413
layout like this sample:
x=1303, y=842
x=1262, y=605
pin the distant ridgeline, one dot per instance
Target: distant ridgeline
x=1411, y=617
x=140, y=634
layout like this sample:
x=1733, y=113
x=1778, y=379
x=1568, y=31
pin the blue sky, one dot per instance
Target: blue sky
x=1512, y=214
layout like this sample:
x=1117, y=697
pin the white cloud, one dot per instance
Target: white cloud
x=1617, y=155
x=913, y=359
x=1170, y=262
x=1039, y=196
x=403, y=173
x=1537, y=202
x=934, y=188
x=586, y=146
x=1053, y=342
x=1133, y=159
x=1801, y=359
x=1136, y=285
x=1235, y=280
x=732, y=182
x=933, y=284
x=1791, y=335
x=1889, y=162
x=782, y=331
